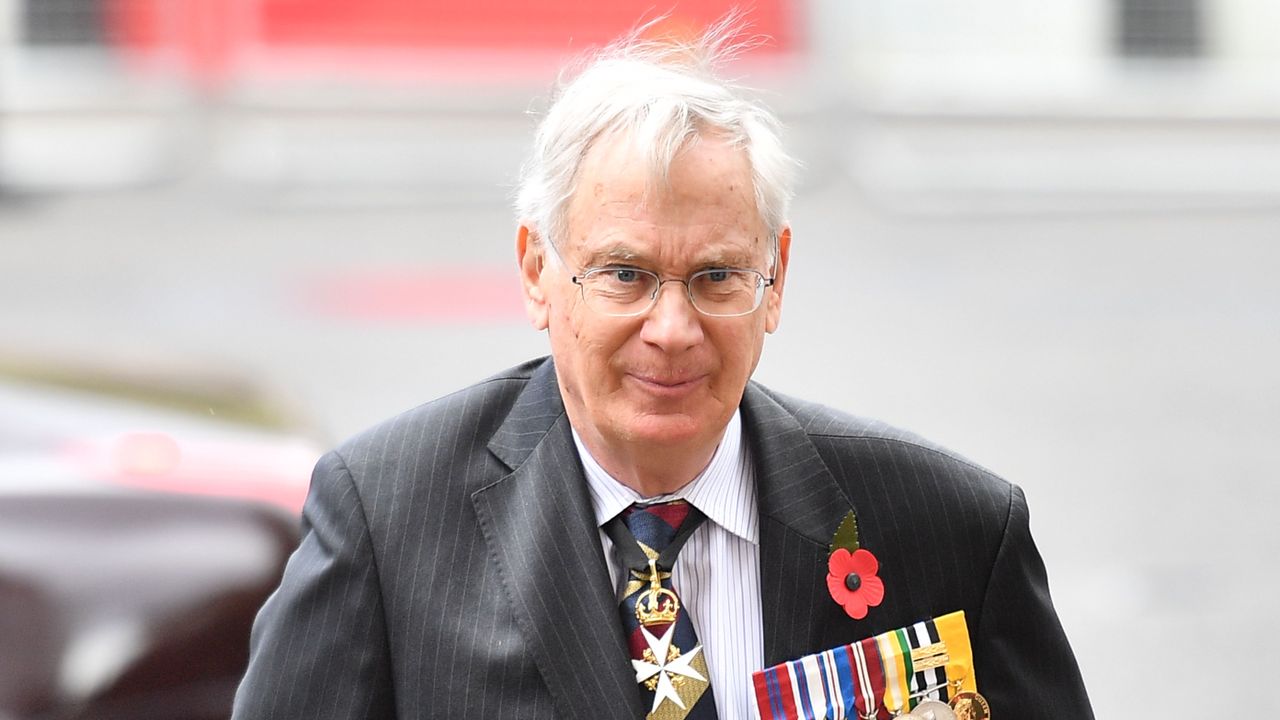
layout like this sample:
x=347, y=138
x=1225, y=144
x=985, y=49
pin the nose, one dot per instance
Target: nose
x=672, y=323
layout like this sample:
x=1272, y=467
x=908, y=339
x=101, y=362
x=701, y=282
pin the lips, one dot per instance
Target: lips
x=666, y=381
x=668, y=385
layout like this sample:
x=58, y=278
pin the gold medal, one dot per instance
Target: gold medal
x=970, y=706
x=934, y=710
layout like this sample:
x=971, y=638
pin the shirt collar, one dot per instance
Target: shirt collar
x=724, y=491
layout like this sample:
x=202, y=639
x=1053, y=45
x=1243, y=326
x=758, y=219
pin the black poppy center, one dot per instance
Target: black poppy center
x=852, y=581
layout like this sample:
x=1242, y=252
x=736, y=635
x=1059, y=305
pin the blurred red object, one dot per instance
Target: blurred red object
x=136, y=545
x=210, y=34
x=496, y=24
x=131, y=606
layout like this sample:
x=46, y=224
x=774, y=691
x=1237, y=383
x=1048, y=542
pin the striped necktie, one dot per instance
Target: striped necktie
x=665, y=651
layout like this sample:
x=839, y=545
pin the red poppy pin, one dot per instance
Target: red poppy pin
x=851, y=571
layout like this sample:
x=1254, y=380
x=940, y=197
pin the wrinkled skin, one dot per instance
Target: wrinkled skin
x=650, y=395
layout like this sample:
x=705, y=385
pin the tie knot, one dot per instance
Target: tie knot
x=657, y=523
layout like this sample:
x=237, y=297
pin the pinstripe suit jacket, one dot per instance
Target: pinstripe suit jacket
x=451, y=567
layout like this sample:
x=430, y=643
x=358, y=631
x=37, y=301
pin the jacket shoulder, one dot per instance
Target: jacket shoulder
x=821, y=421
x=864, y=450
x=935, y=519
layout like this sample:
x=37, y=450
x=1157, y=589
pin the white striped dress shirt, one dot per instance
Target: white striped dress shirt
x=717, y=574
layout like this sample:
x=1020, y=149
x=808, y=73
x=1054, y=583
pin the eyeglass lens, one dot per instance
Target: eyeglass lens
x=630, y=291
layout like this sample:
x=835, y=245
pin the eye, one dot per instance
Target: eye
x=717, y=275
x=619, y=279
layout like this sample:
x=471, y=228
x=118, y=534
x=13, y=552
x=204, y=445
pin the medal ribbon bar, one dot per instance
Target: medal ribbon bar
x=872, y=678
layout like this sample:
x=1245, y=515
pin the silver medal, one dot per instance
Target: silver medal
x=934, y=710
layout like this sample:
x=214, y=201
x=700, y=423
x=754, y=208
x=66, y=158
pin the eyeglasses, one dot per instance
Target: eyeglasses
x=623, y=291
x=620, y=291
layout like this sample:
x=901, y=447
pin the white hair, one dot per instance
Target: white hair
x=661, y=95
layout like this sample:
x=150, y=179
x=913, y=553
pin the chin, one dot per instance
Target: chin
x=668, y=429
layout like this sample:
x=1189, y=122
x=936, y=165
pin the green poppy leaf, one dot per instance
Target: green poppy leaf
x=847, y=534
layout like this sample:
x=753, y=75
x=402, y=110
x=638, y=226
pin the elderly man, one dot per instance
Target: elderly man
x=633, y=528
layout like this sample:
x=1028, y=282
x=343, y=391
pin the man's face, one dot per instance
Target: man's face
x=671, y=377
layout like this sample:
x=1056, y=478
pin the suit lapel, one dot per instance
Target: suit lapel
x=542, y=535
x=800, y=508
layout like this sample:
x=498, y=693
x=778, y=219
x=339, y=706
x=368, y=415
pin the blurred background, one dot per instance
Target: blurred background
x=1046, y=235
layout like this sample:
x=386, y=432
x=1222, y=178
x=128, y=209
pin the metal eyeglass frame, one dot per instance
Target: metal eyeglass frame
x=761, y=286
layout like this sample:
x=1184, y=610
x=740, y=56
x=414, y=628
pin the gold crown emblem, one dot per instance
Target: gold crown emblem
x=657, y=605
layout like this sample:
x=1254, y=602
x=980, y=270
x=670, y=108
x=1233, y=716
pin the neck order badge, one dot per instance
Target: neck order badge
x=665, y=651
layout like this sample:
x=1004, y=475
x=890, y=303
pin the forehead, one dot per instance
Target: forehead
x=703, y=204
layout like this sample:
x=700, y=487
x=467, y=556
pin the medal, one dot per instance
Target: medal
x=934, y=710
x=895, y=658
x=958, y=671
x=906, y=674
x=658, y=605
x=929, y=659
x=970, y=706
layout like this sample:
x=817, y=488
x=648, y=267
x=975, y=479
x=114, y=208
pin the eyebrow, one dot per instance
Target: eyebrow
x=624, y=255
x=729, y=258
x=614, y=255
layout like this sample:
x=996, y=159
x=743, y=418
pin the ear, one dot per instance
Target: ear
x=532, y=262
x=773, y=297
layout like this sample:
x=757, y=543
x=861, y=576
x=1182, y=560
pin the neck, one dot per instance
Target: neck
x=650, y=471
